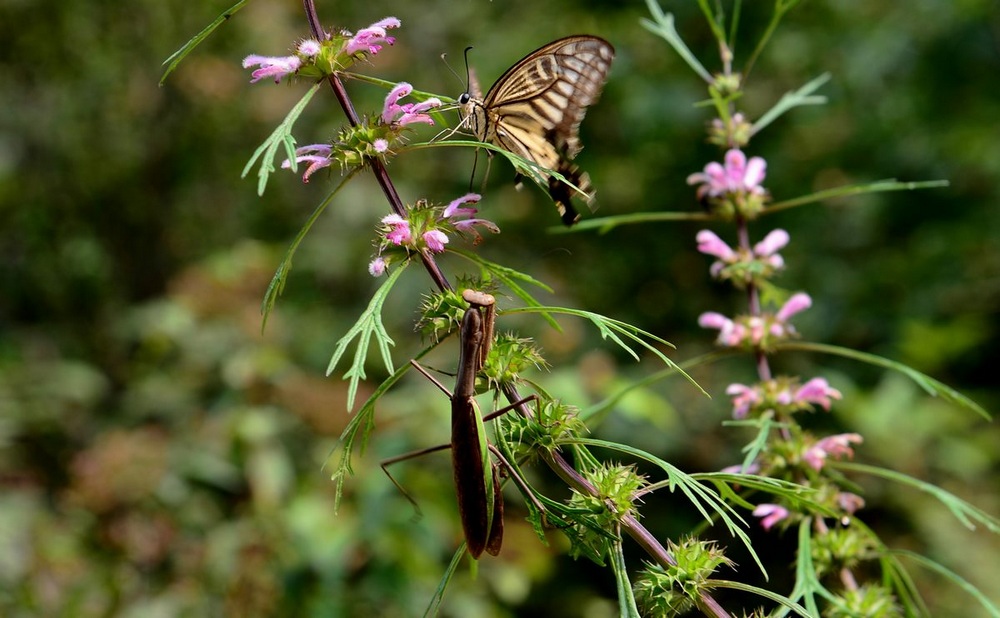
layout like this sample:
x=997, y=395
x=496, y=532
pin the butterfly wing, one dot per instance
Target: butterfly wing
x=535, y=109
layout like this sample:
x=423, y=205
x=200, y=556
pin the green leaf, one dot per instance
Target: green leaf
x=509, y=278
x=962, y=583
x=175, y=59
x=703, y=498
x=767, y=594
x=663, y=26
x=368, y=324
x=604, y=407
x=277, y=285
x=617, y=331
x=929, y=384
x=871, y=187
x=626, y=599
x=806, y=584
x=435, y=605
x=790, y=100
x=538, y=173
x=281, y=136
x=364, y=420
x=604, y=225
x=963, y=511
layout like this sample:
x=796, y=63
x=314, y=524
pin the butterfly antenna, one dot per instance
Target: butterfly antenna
x=444, y=59
x=468, y=71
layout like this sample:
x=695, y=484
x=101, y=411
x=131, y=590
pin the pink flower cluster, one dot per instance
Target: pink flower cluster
x=428, y=228
x=408, y=113
x=785, y=395
x=355, y=145
x=734, y=176
x=335, y=53
x=280, y=66
x=372, y=38
x=765, y=253
x=836, y=446
x=755, y=330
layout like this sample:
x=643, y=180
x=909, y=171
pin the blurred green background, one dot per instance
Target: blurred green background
x=159, y=456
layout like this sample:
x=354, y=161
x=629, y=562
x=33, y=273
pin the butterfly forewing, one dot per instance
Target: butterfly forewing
x=534, y=110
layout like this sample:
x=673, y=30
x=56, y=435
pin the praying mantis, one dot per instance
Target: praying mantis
x=477, y=485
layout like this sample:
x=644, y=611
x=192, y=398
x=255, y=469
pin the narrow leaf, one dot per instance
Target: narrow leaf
x=929, y=384
x=617, y=331
x=626, y=599
x=872, y=187
x=802, y=96
x=957, y=579
x=277, y=285
x=175, y=59
x=963, y=511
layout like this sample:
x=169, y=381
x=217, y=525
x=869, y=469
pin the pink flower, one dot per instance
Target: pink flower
x=317, y=156
x=436, y=240
x=408, y=113
x=310, y=48
x=831, y=446
x=400, y=229
x=372, y=38
x=731, y=334
x=380, y=145
x=462, y=218
x=455, y=209
x=850, y=502
x=766, y=250
x=774, y=241
x=271, y=66
x=710, y=244
x=795, y=304
x=735, y=175
x=817, y=391
x=744, y=397
x=377, y=267
x=770, y=514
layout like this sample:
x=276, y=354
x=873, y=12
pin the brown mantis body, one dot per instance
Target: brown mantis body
x=480, y=501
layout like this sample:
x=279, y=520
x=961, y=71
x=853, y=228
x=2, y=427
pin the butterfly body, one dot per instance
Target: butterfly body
x=534, y=111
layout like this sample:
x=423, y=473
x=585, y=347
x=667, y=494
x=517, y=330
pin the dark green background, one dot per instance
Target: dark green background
x=162, y=457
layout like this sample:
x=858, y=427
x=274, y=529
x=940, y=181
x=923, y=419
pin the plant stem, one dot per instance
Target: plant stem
x=381, y=174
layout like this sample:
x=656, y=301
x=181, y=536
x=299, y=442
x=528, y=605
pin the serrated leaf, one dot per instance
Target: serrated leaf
x=703, y=498
x=509, y=278
x=369, y=324
x=617, y=331
x=281, y=136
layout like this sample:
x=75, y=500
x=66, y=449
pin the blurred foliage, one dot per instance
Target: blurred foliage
x=161, y=457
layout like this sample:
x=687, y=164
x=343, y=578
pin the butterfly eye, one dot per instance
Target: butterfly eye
x=464, y=98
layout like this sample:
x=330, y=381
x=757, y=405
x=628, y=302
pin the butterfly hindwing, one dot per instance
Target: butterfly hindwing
x=534, y=110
